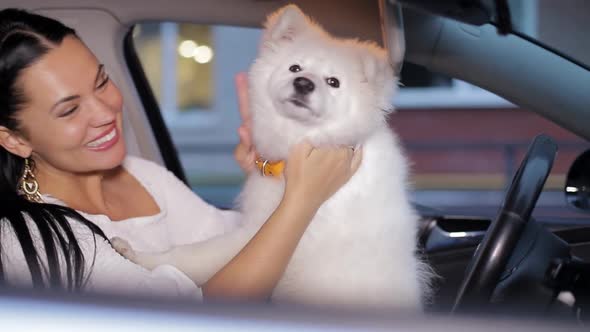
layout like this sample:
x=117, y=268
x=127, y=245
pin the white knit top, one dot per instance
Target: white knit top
x=183, y=218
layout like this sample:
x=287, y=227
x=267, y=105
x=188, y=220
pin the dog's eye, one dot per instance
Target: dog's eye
x=333, y=82
x=295, y=68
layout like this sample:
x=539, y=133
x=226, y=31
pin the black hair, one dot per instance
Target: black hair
x=24, y=39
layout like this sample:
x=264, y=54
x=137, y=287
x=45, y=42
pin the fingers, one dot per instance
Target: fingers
x=306, y=148
x=241, y=82
x=249, y=161
x=350, y=154
x=349, y=158
x=245, y=137
x=317, y=173
x=245, y=153
x=357, y=158
x=245, y=157
x=302, y=149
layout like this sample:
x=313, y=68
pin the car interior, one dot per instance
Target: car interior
x=510, y=262
x=449, y=46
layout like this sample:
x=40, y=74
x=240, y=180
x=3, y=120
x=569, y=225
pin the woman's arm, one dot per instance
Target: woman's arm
x=105, y=271
x=312, y=176
x=110, y=273
x=255, y=271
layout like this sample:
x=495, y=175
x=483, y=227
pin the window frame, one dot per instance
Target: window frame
x=152, y=109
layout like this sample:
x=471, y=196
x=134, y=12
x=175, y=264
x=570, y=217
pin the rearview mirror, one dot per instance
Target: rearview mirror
x=577, y=184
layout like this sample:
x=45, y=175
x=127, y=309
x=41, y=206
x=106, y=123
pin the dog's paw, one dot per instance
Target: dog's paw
x=124, y=248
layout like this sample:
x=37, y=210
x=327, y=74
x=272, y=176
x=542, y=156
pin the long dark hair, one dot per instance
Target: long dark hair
x=24, y=39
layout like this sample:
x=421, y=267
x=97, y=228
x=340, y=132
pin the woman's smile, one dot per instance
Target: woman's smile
x=105, y=140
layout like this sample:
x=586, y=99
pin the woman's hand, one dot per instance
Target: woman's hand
x=245, y=154
x=314, y=174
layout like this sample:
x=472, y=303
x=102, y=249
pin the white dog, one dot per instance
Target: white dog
x=359, y=250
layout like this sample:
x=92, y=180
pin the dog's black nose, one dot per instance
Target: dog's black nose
x=303, y=85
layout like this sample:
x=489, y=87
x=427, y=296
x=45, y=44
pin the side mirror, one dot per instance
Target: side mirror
x=577, y=184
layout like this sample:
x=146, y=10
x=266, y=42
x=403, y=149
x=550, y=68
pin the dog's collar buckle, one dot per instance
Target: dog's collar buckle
x=270, y=168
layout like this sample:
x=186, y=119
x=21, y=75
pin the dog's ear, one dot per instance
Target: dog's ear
x=378, y=73
x=285, y=24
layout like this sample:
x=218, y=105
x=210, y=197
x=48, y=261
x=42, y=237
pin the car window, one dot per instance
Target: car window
x=464, y=143
x=191, y=69
x=560, y=25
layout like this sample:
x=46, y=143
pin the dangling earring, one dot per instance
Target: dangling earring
x=28, y=183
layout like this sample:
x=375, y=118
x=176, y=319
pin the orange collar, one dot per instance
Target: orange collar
x=270, y=168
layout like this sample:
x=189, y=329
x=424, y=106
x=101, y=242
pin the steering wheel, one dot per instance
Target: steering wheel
x=491, y=256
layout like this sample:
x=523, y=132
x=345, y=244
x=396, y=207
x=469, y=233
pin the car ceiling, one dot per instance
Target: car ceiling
x=361, y=16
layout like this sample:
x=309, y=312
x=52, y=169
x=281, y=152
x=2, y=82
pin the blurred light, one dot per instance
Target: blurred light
x=187, y=48
x=571, y=189
x=203, y=54
x=458, y=234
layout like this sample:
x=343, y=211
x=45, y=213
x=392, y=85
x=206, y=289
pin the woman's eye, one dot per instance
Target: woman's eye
x=104, y=82
x=295, y=68
x=333, y=82
x=68, y=112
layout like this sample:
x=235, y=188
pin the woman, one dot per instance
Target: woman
x=67, y=186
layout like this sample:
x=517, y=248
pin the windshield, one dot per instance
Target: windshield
x=561, y=25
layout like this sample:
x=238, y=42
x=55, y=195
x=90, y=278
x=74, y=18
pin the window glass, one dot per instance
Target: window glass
x=464, y=143
x=191, y=69
x=561, y=25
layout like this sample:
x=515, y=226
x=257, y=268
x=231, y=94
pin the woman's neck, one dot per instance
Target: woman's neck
x=87, y=192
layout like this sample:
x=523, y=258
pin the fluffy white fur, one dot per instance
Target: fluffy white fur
x=359, y=250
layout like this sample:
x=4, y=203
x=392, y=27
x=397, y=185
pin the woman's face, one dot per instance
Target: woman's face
x=72, y=119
